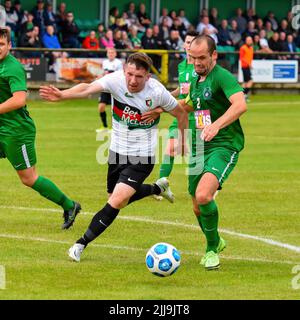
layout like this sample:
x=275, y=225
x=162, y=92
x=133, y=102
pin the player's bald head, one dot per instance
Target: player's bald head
x=204, y=40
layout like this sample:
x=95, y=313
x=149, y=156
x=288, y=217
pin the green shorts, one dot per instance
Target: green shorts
x=173, y=129
x=20, y=151
x=218, y=161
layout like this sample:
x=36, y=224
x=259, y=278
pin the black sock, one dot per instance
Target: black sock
x=145, y=190
x=103, y=118
x=246, y=90
x=99, y=223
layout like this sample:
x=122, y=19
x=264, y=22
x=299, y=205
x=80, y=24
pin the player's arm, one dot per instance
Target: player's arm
x=234, y=112
x=82, y=90
x=175, y=93
x=17, y=101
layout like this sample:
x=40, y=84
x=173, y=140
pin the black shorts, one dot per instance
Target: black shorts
x=247, y=74
x=105, y=97
x=132, y=171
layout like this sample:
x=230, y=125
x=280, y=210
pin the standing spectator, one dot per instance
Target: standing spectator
x=181, y=15
x=91, y=42
x=31, y=39
x=144, y=20
x=250, y=15
x=164, y=30
x=164, y=15
x=38, y=15
x=204, y=27
x=241, y=20
x=235, y=35
x=271, y=17
x=2, y=16
x=107, y=41
x=289, y=19
x=223, y=34
x=70, y=32
x=213, y=17
x=61, y=15
x=268, y=29
x=49, y=16
x=246, y=58
x=11, y=16
x=20, y=12
x=133, y=36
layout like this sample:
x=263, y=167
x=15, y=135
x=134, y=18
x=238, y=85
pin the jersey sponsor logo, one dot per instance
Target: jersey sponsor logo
x=149, y=102
x=202, y=118
x=207, y=94
x=128, y=95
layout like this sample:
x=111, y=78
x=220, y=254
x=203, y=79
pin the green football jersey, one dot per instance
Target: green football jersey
x=13, y=79
x=185, y=74
x=210, y=100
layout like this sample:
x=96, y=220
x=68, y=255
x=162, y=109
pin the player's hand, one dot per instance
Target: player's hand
x=209, y=132
x=50, y=93
x=151, y=115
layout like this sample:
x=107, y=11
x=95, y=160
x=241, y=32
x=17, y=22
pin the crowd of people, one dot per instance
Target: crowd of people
x=133, y=29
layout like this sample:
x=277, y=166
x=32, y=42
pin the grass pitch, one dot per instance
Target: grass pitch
x=259, y=216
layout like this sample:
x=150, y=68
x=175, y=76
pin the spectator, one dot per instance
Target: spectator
x=223, y=34
x=271, y=17
x=291, y=47
x=2, y=16
x=181, y=15
x=148, y=41
x=135, y=40
x=91, y=42
x=113, y=15
x=70, y=32
x=61, y=15
x=158, y=37
x=256, y=45
x=213, y=17
x=50, y=17
x=164, y=15
x=275, y=45
x=134, y=21
x=250, y=15
x=11, y=16
x=28, y=25
x=31, y=39
x=107, y=41
x=268, y=29
x=180, y=27
x=250, y=31
x=100, y=31
x=284, y=27
x=174, y=43
x=234, y=34
x=144, y=20
x=263, y=42
x=241, y=20
x=38, y=15
x=126, y=43
x=289, y=19
x=164, y=30
x=120, y=23
x=259, y=24
x=204, y=27
x=173, y=15
x=20, y=12
x=283, y=45
x=204, y=12
x=117, y=36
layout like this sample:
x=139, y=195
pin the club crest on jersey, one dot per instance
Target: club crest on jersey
x=149, y=102
x=207, y=94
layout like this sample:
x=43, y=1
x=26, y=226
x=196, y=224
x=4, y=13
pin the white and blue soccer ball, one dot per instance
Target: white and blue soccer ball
x=163, y=259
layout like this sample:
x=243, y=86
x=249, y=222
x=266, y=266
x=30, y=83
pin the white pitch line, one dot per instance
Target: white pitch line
x=176, y=224
x=114, y=247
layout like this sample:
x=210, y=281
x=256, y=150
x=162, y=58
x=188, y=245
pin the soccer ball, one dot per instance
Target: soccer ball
x=163, y=259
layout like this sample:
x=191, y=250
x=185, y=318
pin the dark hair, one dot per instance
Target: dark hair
x=192, y=33
x=209, y=40
x=4, y=33
x=140, y=60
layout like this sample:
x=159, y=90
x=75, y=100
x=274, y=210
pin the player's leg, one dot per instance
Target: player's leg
x=104, y=100
x=168, y=160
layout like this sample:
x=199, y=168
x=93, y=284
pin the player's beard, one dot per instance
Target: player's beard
x=206, y=70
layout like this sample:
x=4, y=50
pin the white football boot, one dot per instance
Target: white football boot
x=75, y=251
x=166, y=192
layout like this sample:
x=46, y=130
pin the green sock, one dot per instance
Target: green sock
x=49, y=190
x=209, y=220
x=200, y=223
x=167, y=166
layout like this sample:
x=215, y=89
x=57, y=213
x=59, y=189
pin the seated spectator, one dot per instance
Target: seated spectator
x=263, y=42
x=283, y=44
x=173, y=15
x=117, y=36
x=256, y=45
x=28, y=25
x=223, y=34
x=100, y=31
x=127, y=44
x=31, y=39
x=132, y=16
x=38, y=15
x=235, y=35
x=144, y=20
x=20, y=12
x=213, y=17
x=158, y=37
x=50, y=41
x=289, y=19
x=91, y=42
x=250, y=15
x=179, y=26
x=284, y=27
x=259, y=25
x=11, y=16
x=70, y=32
x=61, y=15
x=275, y=44
x=184, y=19
x=2, y=16
x=268, y=29
x=250, y=31
x=164, y=30
x=113, y=15
x=271, y=17
x=291, y=47
x=107, y=41
x=148, y=41
x=241, y=20
x=164, y=15
x=204, y=27
x=120, y=23
x=133, y=36
x=50, y=17
x=174, y=43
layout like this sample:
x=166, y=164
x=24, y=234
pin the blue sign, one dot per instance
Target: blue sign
x=284, y=71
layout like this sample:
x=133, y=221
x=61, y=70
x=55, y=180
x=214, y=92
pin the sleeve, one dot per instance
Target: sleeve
x=17, y=79
x=108, y=82
x=189, y=101
x=167, y=101
x=229, y=84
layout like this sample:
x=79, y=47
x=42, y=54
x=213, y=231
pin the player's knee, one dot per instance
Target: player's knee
x=118, y=202
x=203, y=198
x=28, y=181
